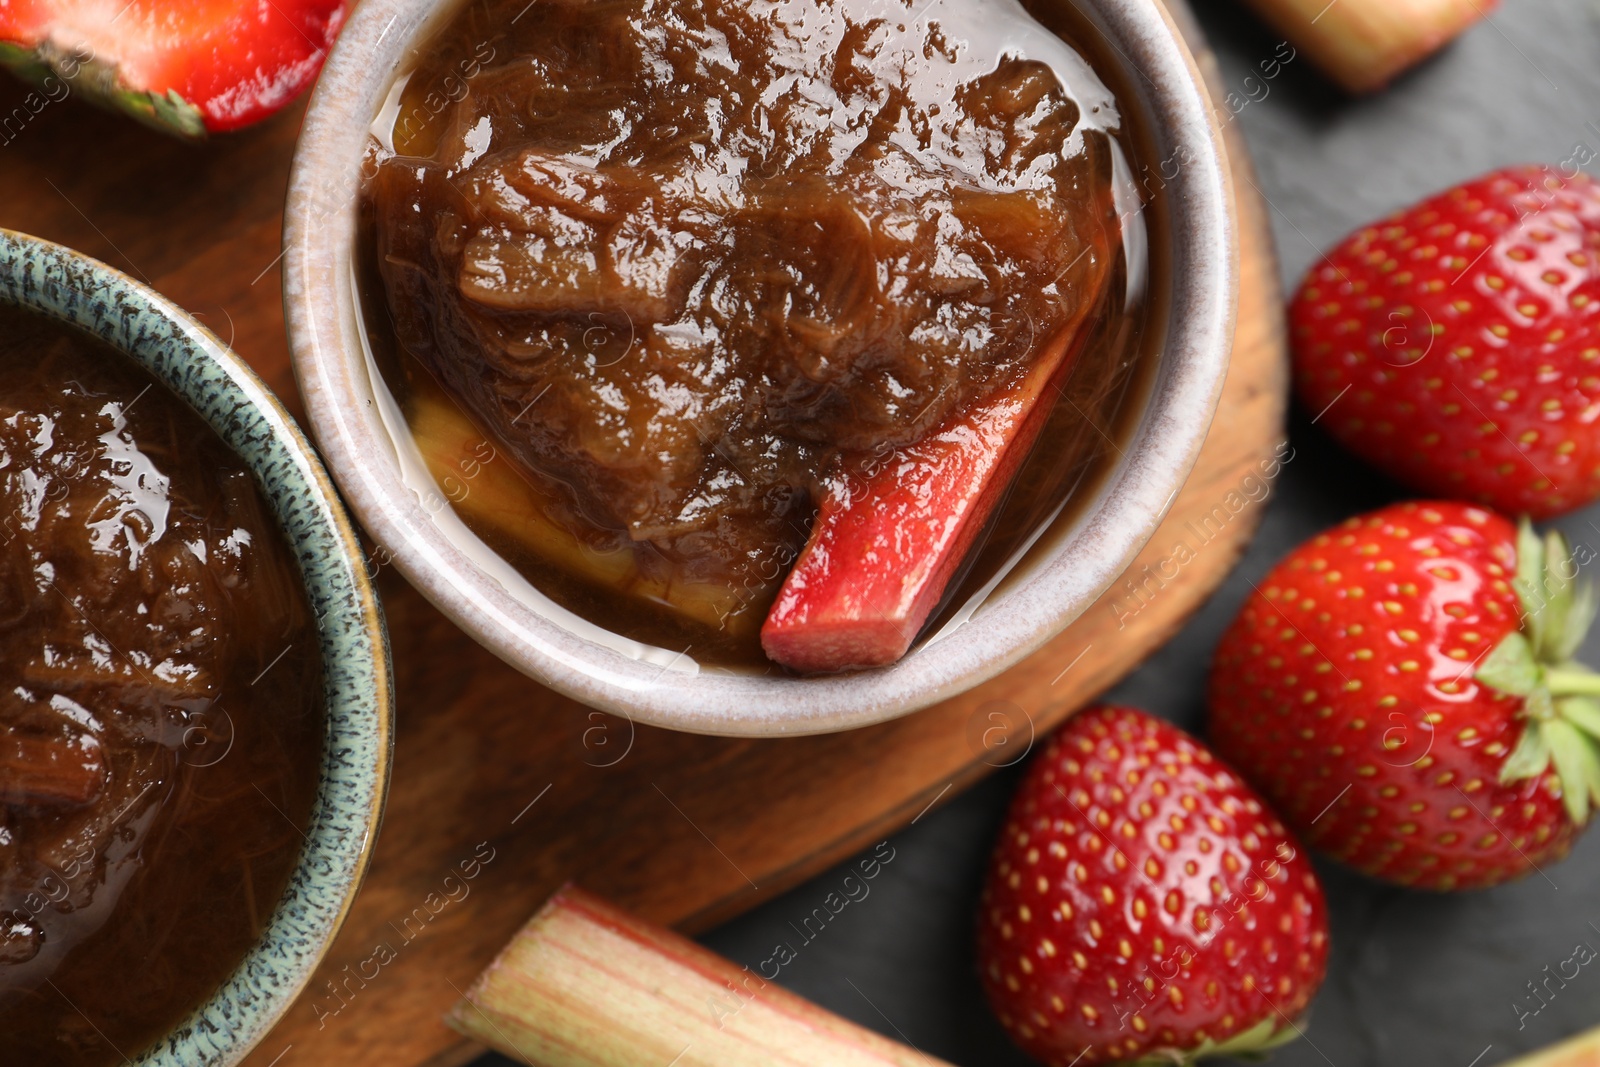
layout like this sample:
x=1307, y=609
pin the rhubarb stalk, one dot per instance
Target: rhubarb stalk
x=585, y=984
x=1363, y=44
x=1580, y=1051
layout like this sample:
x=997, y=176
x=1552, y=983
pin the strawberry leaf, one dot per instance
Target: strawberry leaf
x=1529, y=759
x=1539, y=705
x=1557, y=609
x=1582, y=712
x=1529, y=582
x=1580, y=616
x=1283, y=1036
x=1557, y=587
x=1577, y=764
x=1247, y=1045
x=1511, y=667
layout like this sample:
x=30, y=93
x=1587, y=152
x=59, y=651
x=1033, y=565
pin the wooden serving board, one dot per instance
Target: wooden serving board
x=503, y=790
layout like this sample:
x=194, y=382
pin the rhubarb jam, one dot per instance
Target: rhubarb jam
x=161, y=712
x=652, y=280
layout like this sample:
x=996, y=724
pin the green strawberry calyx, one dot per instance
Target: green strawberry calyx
x=1560, y=697
x=1247, y=1045
x=101, y=82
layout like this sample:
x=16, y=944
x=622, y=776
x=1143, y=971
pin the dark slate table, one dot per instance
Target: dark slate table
x=1416, y=979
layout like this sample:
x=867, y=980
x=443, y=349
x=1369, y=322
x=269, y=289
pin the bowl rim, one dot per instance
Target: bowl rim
x=79, y=291
x=1088, y=555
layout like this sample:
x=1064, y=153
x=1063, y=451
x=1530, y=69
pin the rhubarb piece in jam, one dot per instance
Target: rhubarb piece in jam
x=890, y=534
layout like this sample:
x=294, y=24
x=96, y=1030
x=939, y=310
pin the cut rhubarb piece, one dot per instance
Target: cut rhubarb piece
x=189, y=68
x=888, y=538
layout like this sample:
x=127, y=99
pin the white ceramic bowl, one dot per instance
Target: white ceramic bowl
x=1169, y=106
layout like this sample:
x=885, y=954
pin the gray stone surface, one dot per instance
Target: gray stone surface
x=1416, y=979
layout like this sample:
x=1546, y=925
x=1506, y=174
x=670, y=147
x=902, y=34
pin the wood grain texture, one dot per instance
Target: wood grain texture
x=503, y=790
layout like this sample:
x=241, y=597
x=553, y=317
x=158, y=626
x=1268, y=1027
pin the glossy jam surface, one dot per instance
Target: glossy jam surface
x=677, y=261
x=160, y=703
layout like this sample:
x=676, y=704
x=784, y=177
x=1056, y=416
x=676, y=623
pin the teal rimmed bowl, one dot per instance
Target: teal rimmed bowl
x=82, y=292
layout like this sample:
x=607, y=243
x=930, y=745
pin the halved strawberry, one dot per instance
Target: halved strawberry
x=189, y=68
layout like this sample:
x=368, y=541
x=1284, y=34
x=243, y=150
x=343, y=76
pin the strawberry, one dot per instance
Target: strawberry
x=1402, y=689
x=1454, y=344
x=188, y=68
x=1143, y=904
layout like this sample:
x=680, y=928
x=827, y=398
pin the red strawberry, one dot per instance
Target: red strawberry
x=1401, y=688
x=1454, y=344
x=184, y=67
x=1143, y=904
